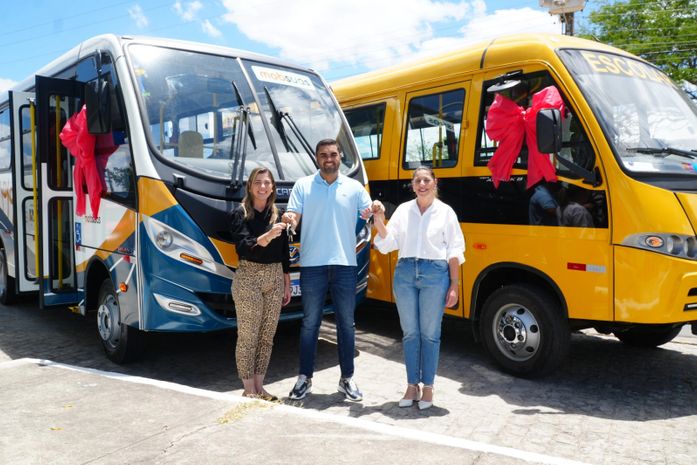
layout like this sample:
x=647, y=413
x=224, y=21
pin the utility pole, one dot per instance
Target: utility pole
x=565, y=9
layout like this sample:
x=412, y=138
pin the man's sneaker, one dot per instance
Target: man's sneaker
x=303, y=386
x=350, y=389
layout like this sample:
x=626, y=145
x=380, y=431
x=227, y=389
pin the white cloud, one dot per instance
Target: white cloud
x=210, y=30
x=318, y=33
x=189, y=12
x=137, y=15
x=6, y=84
x=371, y=33
x=485, y=27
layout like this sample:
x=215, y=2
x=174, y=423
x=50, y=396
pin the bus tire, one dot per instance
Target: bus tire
x=648, y=336
x=7, y=282
x=524, y=330
x=122, y=343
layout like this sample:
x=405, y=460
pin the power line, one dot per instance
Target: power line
x=46, y=23
x=75, y=28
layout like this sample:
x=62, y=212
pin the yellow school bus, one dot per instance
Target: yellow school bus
x=607, y=242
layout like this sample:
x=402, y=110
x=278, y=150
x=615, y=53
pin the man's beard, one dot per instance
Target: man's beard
x=333, y=169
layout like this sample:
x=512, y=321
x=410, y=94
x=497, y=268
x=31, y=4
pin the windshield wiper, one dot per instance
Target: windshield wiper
x=298, y=133
x=277, y=122
x=242, y=103
x=239, y=149
x=664, y=151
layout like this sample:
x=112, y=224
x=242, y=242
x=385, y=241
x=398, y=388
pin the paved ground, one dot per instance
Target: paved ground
x=609, y=404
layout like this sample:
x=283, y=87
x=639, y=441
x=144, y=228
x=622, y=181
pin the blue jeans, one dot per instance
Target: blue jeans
x=340, y=281
x=420, y=287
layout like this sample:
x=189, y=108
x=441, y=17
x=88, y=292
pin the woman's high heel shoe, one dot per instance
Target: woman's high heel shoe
x=425, y=404
x=408, y=401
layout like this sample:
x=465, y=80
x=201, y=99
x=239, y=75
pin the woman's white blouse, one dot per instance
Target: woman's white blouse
x=435, y=235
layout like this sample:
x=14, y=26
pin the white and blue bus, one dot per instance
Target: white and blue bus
x=185, y=124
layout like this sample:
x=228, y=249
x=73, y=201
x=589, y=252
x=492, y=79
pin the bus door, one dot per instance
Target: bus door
x=56, y=101
x=433, y=136
x=25, y=178
x=373, y=126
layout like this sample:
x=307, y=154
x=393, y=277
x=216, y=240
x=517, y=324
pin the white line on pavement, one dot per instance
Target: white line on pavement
x=391, y=430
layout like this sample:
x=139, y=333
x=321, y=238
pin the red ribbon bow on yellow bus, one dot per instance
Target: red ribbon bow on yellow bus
x=509, y=124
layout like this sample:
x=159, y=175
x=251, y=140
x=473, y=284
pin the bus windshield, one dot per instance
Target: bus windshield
x=649, y=121
x=222, y=117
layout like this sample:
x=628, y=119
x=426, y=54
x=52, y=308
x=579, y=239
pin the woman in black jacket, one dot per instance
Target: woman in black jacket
x=262, y=282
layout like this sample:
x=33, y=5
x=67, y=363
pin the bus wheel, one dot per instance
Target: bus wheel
x=524, y=330
x=7, y=283
x=649, y=335
x=122, y=343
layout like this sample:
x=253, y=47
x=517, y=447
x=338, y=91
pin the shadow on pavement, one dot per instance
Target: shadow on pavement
x=601, y=377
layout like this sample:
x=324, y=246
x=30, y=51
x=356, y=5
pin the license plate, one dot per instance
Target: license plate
x=295, y=284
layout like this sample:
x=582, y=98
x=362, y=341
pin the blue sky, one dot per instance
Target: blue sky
x=338, y=38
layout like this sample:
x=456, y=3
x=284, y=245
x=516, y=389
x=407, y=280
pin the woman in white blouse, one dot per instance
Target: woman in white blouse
x=427, y=234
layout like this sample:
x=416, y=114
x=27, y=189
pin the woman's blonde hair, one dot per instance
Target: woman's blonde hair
x=248, y=200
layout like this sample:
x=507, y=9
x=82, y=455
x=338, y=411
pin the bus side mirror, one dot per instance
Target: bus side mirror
x=548, y=125
x=98, y=104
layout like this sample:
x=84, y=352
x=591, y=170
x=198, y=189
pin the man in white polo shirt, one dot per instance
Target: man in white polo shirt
x=329, y=204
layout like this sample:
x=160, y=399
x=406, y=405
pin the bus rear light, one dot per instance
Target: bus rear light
x=191, y=258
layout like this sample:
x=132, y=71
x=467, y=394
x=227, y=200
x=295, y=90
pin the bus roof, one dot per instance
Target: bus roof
x=116, y=43
x=496, y=52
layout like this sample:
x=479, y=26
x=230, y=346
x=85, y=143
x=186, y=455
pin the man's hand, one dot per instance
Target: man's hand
x=378, y=211
x=291, y=218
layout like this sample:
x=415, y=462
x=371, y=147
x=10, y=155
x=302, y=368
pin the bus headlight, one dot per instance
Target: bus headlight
x=164, y=239
x=676, y=245
x=178, y=246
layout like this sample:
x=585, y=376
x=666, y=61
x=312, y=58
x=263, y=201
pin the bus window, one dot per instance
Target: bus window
x=118, y=173
x=5, y=141
x=367, y=124
x=60, y=173
x=25, y=141
x=433, y=129
x=575, y=143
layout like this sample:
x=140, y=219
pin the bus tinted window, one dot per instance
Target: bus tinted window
x=575, y=143
x=367, y=124
x=433, y=129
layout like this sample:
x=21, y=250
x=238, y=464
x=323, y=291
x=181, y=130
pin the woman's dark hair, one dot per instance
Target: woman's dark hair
x=430, y=172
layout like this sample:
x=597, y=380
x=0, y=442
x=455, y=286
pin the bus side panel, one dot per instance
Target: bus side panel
x=664, y=291
x=382, y=170
x=582, y=269
x=110, y=238
x=6, y=221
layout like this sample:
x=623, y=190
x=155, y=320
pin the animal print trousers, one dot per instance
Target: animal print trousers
x=257, y=290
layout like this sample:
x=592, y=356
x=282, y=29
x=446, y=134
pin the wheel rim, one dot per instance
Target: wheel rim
x=108, y=321
x=516, y=332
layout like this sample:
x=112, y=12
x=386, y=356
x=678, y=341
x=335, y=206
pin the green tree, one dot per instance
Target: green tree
x=663, y=32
